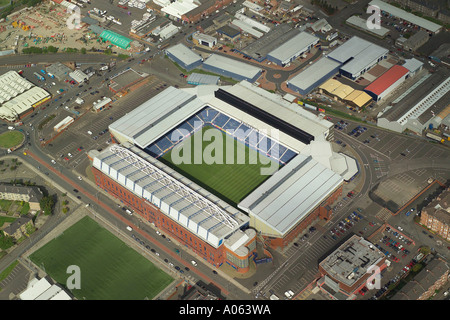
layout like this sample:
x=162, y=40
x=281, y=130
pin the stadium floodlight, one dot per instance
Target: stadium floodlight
x=176, y=186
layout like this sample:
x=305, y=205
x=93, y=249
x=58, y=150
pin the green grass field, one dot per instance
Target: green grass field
x=10, y=139
x=110, y=270
x=230, y=182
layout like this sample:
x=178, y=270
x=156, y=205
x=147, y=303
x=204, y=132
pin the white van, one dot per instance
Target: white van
x=194, y=263
x=129, y=228
x=129, y=212
x=11, y=128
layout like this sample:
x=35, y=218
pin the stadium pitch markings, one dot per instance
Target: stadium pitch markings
x=227, y=168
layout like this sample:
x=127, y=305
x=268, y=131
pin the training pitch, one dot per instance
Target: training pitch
x=109, y=269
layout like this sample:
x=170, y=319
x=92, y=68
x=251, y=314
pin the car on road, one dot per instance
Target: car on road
x=129, y=228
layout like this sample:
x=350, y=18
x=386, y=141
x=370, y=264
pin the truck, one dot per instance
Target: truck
x=43, y=71
x=41, y=78
x=51, y=75
x=434, y=137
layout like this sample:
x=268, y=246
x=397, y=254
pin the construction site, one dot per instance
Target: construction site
x=46, y=25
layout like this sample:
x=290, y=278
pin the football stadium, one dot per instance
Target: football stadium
x=221, y=167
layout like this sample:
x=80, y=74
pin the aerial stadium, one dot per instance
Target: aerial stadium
x=220, y=167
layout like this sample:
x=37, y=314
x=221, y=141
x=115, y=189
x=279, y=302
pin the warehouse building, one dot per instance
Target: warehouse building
x=116, y=39
x=42, y=289
x=202, y=79
x=290, y=50
x=260, y=48
x=416, y=108
x=414, y=42
x=361, y=24
x=204, y=39
x=184, y=57
x=314, y=75
x=407, y=16
x=387, y=82
x=231, y=68
x=229, y=32
x=357, y=56
x=19, y=97
x=345, y=93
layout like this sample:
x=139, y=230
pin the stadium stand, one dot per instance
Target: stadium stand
x=243, y=133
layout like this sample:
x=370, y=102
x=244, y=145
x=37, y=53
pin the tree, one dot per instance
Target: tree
x=47, y=204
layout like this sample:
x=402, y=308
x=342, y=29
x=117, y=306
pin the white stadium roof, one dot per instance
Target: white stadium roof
x=176, y=196
x=291, y=193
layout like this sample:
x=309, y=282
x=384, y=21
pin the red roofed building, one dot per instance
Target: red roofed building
x=387, y=82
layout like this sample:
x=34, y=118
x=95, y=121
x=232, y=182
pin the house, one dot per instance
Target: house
x=18, y=228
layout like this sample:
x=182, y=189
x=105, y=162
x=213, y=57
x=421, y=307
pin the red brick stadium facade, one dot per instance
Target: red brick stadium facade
x=215, y=256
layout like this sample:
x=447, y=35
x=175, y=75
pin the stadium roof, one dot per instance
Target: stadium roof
x=154, y=117
x=291, y=194
x=176, y=196
x=116, y=39
x=402, y=14
x=293, y=46
x=387, y=79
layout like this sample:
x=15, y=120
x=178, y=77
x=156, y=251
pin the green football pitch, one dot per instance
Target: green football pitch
x=235, y=172
x=109, y=269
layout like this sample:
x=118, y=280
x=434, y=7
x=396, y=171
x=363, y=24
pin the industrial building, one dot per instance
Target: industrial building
x=293, y=48
x=202, y=79
x=231, y=68
x=387, y=82
x=204, y=39
x=260, y=48
x=345, y=93
x=310, y=179
x=314, y=75
x=63, y=124
x=184, y=57
x=116, y=39
x=361, y=24
x=416, y=108
x=407, y=16
x=357, y=56
x=19, y=97
x=345, y=271
x=414, y=42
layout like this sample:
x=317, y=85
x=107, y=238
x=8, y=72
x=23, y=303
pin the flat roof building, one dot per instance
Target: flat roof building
x=361, y=24
x=404, y=15
x=357, y=56
x=231, y=68
x=293, y=48
x=346, y=270
x=387, y=82
x=314, y=75
x=185, y=57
